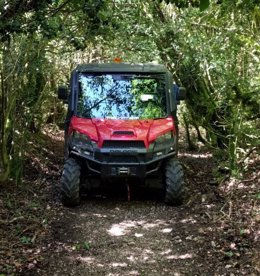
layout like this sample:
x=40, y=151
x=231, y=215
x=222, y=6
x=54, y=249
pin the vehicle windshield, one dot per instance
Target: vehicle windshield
x=122, y=96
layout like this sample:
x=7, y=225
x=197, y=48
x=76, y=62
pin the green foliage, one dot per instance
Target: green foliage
x=204, y=4
x=215, y=56
x=85, y=246
x=25, y=240
x=229, y=254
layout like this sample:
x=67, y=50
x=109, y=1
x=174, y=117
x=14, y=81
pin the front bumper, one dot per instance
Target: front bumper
x=122, y=163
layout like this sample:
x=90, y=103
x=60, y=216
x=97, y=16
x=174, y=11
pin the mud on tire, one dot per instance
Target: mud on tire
x=174, y=182
x=70, y=183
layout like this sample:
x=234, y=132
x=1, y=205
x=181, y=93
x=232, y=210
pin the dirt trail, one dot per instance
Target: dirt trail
x=110, y=236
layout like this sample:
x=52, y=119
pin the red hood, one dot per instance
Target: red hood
x=110, y=129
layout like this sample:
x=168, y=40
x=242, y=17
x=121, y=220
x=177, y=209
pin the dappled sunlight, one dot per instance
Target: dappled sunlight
x=87, y=260
x=138, y=251
x=122, y=240
x=117, y=230
x=123, y=228
x=147, y=256
x=230, y=184
x=236, y=184
x=96, y=215
x=100, y=215
x=179, y=257
x=128, y=258
x=166, y=230
x=210, y=206
x=125, y=243
x=166, y=252
x=119, y=264
x=190, y=220
x=156, y=223
x=133, y=272
x=195, y=155
x=139, y=235
x=54, y=133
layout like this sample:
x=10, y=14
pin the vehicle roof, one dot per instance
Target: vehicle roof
x=122, y=67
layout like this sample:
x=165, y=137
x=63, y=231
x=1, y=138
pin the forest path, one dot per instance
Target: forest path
x=110, y=236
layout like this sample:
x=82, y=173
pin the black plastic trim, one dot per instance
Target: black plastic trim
x=124, y=164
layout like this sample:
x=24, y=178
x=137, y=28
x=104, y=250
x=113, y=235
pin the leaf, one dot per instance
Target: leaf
x=204, y=4
x=229, y=254
x=25, y=240
x=242, y=232
x=86, y=245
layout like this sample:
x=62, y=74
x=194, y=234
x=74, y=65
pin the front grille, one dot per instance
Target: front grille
x=123, y=132
x=123, y=144
x=123, y=159
x=117, y=159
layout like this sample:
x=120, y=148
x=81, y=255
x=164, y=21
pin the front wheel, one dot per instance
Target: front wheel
x=174, y=182
x=70, y=183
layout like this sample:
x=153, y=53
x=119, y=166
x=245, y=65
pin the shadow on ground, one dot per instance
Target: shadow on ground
x=107, y=235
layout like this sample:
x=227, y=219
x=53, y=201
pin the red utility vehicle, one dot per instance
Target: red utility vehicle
x=121, y=124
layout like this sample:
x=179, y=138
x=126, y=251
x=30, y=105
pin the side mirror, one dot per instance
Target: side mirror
x=63, y=93
x=181, y=94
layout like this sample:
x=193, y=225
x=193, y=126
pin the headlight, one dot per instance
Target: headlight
x=81, y=137
x=162, y=142
x=164, y=138
x=82, y=141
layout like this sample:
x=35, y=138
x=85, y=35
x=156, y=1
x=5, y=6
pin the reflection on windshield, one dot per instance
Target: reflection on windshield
x=122, y=96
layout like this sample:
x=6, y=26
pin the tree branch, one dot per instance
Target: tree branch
x=248, y=154
x=55, y=11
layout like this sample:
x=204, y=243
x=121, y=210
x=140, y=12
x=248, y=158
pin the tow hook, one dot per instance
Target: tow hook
x=123, y=171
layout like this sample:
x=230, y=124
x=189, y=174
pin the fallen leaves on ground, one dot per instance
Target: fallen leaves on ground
x=215, y=232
